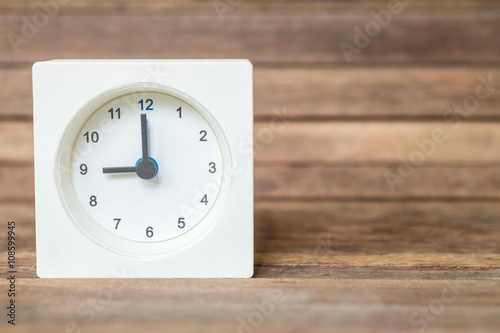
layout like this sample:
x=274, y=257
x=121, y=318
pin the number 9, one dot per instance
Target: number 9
x=83, y=169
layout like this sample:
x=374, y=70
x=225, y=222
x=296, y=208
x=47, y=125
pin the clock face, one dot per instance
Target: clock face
x=146, y=166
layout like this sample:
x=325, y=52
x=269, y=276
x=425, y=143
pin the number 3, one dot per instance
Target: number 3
x=212, y=167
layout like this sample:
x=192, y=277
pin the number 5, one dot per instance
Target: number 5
x=181, y=224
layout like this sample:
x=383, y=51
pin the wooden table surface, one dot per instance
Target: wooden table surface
x=377, y=198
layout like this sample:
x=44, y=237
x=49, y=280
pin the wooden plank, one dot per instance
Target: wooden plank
x=377, y=142
x=26, y=269
x=17, y=183
x=332, y=160
x=330, y=93
x=16, y=93
x=337, y=142
x=330, y=182
x=378, y=235
x=347, y=294
x=23, y=214
x=294, y=38
x=371, y=92
x=86, y=7
x=325, y=272
x=433, y=236
x=319, y=305
x=409, y=235
x=364, y=182
x=17, y=141
x=159, y=7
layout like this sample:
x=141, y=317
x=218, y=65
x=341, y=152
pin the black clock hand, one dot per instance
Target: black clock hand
x=146, y=168
x=144, y=136
x=119, y=169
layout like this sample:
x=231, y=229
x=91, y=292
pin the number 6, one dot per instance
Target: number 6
x=149, y=232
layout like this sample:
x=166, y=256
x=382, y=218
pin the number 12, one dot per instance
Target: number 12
x=149, y=103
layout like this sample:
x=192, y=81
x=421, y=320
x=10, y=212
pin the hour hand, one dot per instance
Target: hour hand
x=119, y=169
x=146, y=167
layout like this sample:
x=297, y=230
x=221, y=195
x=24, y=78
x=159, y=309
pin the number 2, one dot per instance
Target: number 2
x=203, y=135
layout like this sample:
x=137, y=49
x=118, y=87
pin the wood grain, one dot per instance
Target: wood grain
x=329, y=183
x=326, y=232
x=337, y=160
x=221, y=305
x=159, y=7
x=345, y=142
x=341, y=235
x=17, y=183
x=362, y=93
x=17, y=141
x=371, y=92
x=363, y=182
x=346, y=251
x=283, y=39
x=341, y=143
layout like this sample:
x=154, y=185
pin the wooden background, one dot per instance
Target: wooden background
x=336, y=248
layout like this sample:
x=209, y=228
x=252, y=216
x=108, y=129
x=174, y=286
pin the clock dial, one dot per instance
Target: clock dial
x=147, y=166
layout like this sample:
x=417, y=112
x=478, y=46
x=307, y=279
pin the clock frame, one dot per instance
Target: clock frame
x=68, y=245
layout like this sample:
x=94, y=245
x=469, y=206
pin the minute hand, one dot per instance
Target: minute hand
x=144, y=135
x=146, y=168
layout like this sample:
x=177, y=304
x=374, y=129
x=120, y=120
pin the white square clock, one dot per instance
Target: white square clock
x=143, y=168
